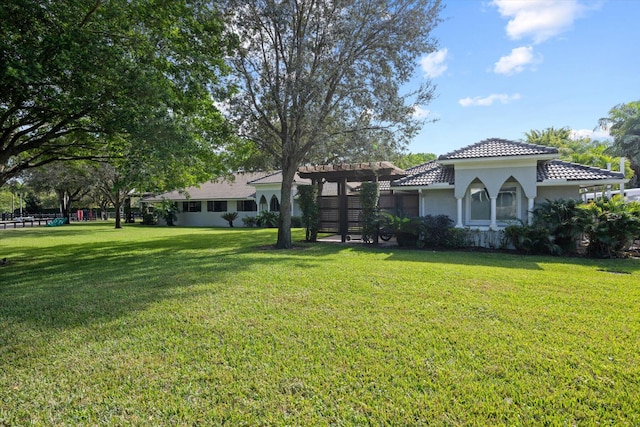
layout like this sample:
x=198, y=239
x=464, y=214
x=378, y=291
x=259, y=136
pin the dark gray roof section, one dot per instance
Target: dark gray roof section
x=427, y=174
x=558, y=169
x=496, y=147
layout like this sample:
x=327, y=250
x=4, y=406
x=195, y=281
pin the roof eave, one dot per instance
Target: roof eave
x=582, y=182
x=531, y=157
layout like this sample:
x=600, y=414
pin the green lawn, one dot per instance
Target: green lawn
x=198, y=326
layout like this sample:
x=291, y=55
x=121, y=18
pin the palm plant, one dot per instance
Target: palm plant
x=230, y=217
x=613, y=225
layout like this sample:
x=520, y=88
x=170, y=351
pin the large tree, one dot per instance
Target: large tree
x=623, y=124
x=73, y=73
x=311, y=73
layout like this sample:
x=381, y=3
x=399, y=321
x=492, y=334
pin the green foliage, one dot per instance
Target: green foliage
x=434, y=231
x=230, y=217
x=299, y=103
x=613, y=225
x=296, y=222
x=369, y=195
x=249, y=221
x=405, y=161
x=563, y=222
x=405, y=228
x=623, y=124
x=75, y=76
x=149, y=218
x=584, y=151
x=268, y=219
x=531, y=239
x=308, y=201
x=167, y=210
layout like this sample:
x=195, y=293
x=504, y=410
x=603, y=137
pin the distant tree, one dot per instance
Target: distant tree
x=72, y=72
x=623, y=124
x=405, y=161
x=315, y=76
x=71, y=181
x=584, y=151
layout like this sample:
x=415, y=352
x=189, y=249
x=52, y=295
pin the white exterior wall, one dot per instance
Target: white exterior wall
x=438, y=202
x=558, y=192
x=210, y=219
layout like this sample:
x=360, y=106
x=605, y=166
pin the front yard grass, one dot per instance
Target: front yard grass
x=200, y=326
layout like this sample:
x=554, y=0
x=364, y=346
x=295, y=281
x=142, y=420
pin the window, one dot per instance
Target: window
x=507, y=203
x=191, y=206
x=479, y=203
x=274, y=206
x=216, y=205
x=246, y=206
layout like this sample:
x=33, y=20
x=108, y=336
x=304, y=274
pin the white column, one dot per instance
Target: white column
x=459, y=223
x=494, y=223
x=421, y=202
x=530, y=210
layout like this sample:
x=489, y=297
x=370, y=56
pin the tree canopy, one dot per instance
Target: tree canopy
x=75, y=76
x=584, y=151
x=320, y=78
x=623, y=124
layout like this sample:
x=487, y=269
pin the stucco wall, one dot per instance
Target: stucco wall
x=210, y=219
x=557, y=192
x=438, y=202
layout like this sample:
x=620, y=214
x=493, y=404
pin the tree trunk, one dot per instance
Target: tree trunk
x=116, y=205
x=284, y=223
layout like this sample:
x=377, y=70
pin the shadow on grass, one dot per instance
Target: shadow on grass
x=73, y=284
x=496, y=258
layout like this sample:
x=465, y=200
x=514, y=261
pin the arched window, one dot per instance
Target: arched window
x=263, y=204
x=274, y=206
x=479, y=203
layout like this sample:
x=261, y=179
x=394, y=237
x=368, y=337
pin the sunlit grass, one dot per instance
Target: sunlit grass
x=198, y=326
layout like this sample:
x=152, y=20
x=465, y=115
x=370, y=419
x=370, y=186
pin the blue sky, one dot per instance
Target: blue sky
x=505, y=67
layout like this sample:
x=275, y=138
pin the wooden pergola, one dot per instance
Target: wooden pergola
x=353, y=172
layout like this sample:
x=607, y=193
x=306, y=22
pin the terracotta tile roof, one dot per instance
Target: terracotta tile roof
x=426, y=174
x=495, y=147
x=558, y=169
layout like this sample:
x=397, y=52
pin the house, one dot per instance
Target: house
x=485, y=186
x=247, y=193
x=495, y=182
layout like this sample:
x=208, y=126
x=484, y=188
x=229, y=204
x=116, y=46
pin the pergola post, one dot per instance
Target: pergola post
x=344, y=209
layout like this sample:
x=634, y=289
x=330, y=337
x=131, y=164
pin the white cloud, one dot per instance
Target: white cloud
x=539, y=19
x=517, y=60
x=598, y=134
x=434, y=64
x=420, y=113
x=488, y=100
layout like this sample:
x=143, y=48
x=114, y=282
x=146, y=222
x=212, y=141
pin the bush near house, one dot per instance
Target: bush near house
x=267, y=219
x=612, y=225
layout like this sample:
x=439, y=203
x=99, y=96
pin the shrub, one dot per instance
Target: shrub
x=563, y=221
x=403, y=227
x=296, y=222
x=267, y=219
x=149, y=219
x=531, y=239
x=612, y=227
x=433, y=231
x=249, y=221
x=308, y=200
x=369, y=195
